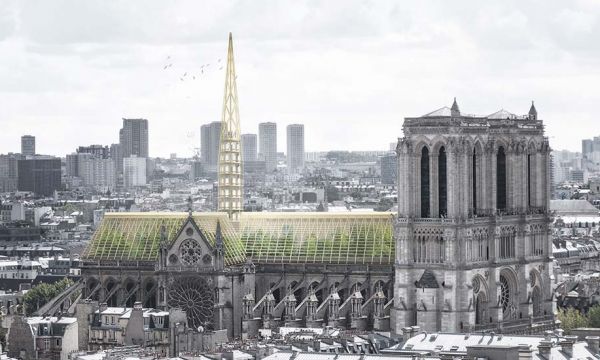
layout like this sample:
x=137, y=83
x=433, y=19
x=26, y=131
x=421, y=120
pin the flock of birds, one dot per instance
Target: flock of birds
x=186, y=76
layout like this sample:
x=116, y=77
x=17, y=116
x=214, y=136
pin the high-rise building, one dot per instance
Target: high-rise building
x=249, y=150
x=96, y=150
x=134, y=138
x=295, y=147
x=28, y=145
x=134, y=171
x=210, y=134
x=389, y=169
x=40, y=175
x=96, y=171
x=267, y=147
x=9, y=172
x=230, y=158
x=116, y=154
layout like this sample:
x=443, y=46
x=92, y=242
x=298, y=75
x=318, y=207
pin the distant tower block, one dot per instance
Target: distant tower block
x=230, y=159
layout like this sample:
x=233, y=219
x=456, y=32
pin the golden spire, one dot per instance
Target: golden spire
x=230, y=148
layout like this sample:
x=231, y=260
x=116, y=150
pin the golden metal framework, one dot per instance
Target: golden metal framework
x=230, y=148
x=267, y=237
x=330, y=238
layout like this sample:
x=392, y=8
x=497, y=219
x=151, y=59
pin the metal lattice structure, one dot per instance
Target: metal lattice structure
x=230, y=148
x=348, y=238
x=136, y=236
x=193, y=295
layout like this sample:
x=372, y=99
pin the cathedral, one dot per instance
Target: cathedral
x=468, y=249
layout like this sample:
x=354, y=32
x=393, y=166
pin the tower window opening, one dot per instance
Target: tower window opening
x=442, y=183
x=474, y=180
x=501, y=179
x=529, y=204
x=425, y=182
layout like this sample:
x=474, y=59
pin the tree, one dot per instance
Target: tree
x=40, y=294
x=571, y=318
x=594, y=316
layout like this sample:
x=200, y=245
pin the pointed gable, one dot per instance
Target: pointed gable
x=427, y=280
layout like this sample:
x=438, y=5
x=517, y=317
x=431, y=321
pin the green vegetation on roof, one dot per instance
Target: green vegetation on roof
x=279, y=238
x=136, y=236
x=319, y=238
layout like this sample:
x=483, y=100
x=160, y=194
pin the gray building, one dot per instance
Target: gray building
x=9, y=172
x=210, y=135
x=41, y=175
x=249, y=147
x=28, y=145
x=295, y=147
x=267, y=137
x=133, y=138
x=117, y=155
x=389, y=169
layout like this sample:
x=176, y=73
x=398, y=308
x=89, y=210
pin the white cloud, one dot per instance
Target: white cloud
x=349, y=70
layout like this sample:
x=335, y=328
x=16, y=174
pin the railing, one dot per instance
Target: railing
x=517, y=325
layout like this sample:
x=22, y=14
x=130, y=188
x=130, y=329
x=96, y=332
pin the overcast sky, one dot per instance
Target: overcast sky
x=350, y=71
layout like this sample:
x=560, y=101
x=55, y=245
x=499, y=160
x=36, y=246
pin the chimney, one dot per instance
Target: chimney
x=567, y=345
x=593, y=344
x=525, y=352
x=544, y=348
x=137, y=305
x=103, y=306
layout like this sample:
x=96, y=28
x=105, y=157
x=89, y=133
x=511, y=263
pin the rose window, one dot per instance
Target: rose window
x=190, y=252
x=193, y=295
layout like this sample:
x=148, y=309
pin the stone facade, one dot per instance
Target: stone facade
x=472, y=235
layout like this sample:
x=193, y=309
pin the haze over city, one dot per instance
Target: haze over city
x=333, y=66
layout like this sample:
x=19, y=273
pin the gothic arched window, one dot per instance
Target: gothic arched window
x=442, y=183
x=501, y=179
x=425, y=182
x=474, y=181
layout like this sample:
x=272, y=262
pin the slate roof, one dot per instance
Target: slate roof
x=573, y=207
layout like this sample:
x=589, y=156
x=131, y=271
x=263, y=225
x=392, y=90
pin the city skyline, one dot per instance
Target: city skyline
x=375, y=64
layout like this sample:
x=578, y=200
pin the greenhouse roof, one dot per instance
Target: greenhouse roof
x=266, y=237
x=136, y=236
x=332, y=238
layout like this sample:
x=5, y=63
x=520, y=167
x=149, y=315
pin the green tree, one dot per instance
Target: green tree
x=571, y=318
x=594, y=316
x=40, y=294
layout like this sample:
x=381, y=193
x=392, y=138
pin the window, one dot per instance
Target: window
x=501, y=179
x=474, y=181
x=425, y=182
x=442, y=183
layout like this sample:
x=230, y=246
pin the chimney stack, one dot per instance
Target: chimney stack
x=544, y=348
x=103, y=306
x=593, y=344
x=567, y=344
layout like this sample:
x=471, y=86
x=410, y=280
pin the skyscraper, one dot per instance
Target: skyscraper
x=267, y=137
x=210, y=135
x=40, y=175
x=249, y=147
x=230, y=162
x=134, y=171
x=134, y=138
x=389, y=168
x=295, y=147
x=28, y=145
